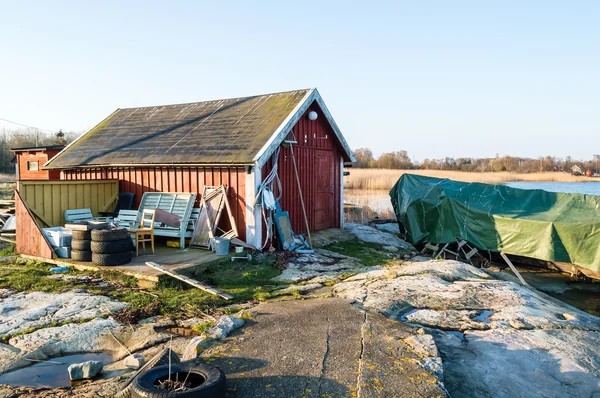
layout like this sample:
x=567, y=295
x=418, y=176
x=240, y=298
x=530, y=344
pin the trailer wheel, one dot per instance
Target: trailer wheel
x=108, y=235
x=111, y=258
x=81, y=235
x=114, y=246
x=205, y=381
x=81, y=245
x=81, y=255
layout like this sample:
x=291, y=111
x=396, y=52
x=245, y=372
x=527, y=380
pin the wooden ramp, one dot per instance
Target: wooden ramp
x=169, y=258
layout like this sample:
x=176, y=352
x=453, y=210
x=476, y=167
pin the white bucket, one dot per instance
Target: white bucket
x=221, y=246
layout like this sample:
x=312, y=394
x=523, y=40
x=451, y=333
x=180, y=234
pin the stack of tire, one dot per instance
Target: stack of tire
x=110, y=246
x=81, y=246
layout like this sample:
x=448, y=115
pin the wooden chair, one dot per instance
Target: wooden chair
x=145, y=233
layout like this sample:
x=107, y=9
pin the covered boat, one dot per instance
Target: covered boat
x=556, y=227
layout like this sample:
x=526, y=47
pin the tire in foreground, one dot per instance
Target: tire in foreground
x=202, y=381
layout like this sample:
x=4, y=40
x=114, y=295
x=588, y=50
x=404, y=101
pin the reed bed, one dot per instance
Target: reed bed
x=374, y=179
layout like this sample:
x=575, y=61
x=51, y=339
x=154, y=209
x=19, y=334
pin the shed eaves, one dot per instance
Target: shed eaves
x=229, y=131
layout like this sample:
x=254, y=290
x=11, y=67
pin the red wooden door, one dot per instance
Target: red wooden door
x=324, y=190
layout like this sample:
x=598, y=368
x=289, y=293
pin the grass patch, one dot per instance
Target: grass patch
x=244, y=280
x=8, y=250
x=368, y=253
x=203, y=327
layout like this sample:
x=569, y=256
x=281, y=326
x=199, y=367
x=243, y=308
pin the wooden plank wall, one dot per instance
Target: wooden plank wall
x=176, y=179
x=48, y=200
x=29, y=238
x=312, y=136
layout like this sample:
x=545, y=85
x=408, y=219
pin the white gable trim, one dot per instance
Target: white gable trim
x=283, y=130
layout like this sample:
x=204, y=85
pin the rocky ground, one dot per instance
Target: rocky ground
x=416, y=327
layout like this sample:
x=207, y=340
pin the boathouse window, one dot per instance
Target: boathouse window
x=33, y=166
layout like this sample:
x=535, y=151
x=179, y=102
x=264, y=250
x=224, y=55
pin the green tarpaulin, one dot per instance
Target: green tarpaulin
x=560, y=227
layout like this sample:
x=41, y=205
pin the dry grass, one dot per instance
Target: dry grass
x=363, y=214
x=7, y=177
x=384, y=179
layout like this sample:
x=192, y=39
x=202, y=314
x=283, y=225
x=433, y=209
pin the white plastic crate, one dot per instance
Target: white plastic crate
x=58, y=236
x=63, y=251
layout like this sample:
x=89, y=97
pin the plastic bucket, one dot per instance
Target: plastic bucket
x=221, y=246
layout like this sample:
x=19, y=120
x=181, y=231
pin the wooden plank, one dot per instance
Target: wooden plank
x=29, y=238
x=189, y=281
x=510, y=264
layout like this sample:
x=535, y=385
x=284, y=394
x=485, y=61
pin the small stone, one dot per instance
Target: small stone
x=224, y=326
x=393, y=249
x=134, y=361
x=85, y=370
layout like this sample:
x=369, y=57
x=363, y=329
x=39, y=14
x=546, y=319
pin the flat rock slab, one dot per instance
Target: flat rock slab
x=326, y=348
x=319, y=266
x=23, y=311
x=496, y=338
x=373, y=235
x=391, y=227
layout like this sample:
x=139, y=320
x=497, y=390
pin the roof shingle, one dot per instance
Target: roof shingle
x=229, y=131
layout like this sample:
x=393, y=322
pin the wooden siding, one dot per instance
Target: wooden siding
x=48, y=200
x=36, y=156
x=313, y=137
x=29, y=238
x=175, y=179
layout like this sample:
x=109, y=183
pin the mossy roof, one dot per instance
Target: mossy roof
x=228, y=131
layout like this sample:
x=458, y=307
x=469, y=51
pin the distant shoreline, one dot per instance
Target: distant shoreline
x=386, y=178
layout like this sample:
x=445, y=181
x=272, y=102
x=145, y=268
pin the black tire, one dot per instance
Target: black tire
x=78, y=255
x=81, y=245
x=82, y=235
x=108, y=235
x=213, y=385
x=111, y=258
x=164, y=357
x=115, y=246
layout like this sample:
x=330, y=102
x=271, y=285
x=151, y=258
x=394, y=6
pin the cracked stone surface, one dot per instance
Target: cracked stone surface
x=373, y=235
x=321, y=265
x=22, y=311
x=496, y=338
x=326, y=348
x=51, y=342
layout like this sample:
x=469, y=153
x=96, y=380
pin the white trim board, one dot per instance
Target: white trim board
x=283, y=130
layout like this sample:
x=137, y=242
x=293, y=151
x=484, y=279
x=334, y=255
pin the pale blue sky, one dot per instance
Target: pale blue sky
x=437, y=78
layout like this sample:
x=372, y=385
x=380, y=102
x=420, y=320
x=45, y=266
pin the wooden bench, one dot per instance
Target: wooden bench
x=131, y=218
x=177, y=203
x=127, y=219
x=79, y=215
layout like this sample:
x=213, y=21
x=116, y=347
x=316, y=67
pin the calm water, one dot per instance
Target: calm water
x=50, y=374
x=589, y=188
x=379, y=200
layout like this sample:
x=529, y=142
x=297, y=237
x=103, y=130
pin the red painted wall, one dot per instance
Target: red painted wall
x=36, y=156
x=314, y=138
x=175, y=179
